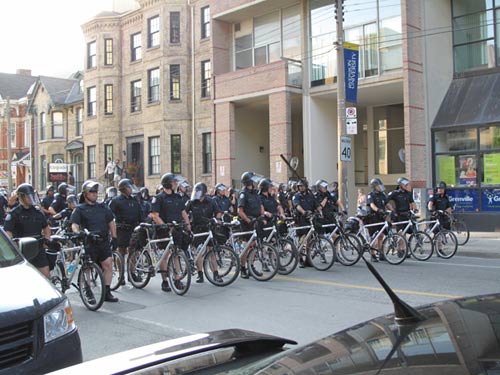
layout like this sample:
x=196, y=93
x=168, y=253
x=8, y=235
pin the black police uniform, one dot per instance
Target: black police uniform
x=380, y=200
x=128, y=215
x=441, y=202
x=3, y=206
x=250, y=202
x=402, y=200
x=95, y=218
x=201, y=212
x=28, y=222
x=282, y=199
x=146, y=208
x=223, y=202
x=270, y=203
x=308, y=203
x=330, y=207
x=59, y=203
x=47, y=201
x=169, y=208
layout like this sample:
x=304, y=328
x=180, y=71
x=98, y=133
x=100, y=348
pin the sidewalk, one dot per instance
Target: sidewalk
x=481, y=245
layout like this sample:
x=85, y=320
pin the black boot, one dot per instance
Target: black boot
x=244, y=273
x=108, y=297
x=200, y=277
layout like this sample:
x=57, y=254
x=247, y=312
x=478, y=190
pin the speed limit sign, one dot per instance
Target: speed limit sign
x=345, y=148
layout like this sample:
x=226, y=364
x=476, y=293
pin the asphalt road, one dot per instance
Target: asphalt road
x=303, y=306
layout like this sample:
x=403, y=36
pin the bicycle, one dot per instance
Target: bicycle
x=459, y=228
x=288, y=253
x=145, y=263
x=73, y=260
x=445, y=241
x=420, y=243
x=348, y=247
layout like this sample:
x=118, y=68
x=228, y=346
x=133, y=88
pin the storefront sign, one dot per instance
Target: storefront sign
x=492, y=169
x=58, y=172
x=490, y=200
x=351, y=62
x=464, y=200
x=446, y=169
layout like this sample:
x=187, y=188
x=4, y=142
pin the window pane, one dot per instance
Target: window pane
x=322, y=17
x=370, y=58
x=389, y=139
x=175, y=27
x=175, y=141
x=291, y=32
x=266, y=29
x=473, y=27
x=474, y=56
x=274, y=51
x=489, y=138
x=456, y=140
x=389, y=8
x=461, y=7
x=57, y=125
x=243, y=43
x=260, y=55
x=361, y=11
x=391, y=53
x=243, y=59
x=491, y=169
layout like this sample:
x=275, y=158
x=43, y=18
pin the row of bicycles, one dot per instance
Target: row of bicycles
x=274, y=247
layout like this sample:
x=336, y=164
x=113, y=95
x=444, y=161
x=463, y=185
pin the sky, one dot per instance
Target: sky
x=45, y=35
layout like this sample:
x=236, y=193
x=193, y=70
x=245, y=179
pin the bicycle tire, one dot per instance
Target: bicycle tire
x=91, y=286
x=179, y=272
x=288, y=256
x=445, y=243
x=418, y=244
x=321, y=254
x=57, y=276
x=263, y=261
x=228, y=265
x=460, y=230
x=118, y=268
x=348, y=249
x=141, y=263
x=394, y=248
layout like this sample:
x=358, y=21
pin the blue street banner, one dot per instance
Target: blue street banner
x=351, y=63
x=466, y=200
x=490, y=200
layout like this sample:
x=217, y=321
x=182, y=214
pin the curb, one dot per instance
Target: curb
x=478, y=254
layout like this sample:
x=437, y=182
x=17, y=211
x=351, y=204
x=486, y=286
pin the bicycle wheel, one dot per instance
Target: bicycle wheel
x=118, y=270
x=57, y=276
x=321, y=254
x=460, y=230
x=288, y=256
x=179, y=272
x=395, y=248
x=348, y=249
x=263, y=261
x=221, y=265
x=91, y=286
x=420, y=245
x=139, y=266
x=445, y=243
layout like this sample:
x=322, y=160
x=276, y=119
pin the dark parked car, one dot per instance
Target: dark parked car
x=37, y=331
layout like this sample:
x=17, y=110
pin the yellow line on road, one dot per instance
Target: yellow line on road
x=352, y=286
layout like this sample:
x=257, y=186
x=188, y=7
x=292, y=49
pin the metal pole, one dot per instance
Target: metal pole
x=341, y=126
x=9, y=156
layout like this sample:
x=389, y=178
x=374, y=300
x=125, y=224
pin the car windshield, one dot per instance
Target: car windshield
x=8, y=254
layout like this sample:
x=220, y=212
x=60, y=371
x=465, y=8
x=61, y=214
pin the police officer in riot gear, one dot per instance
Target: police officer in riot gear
x=182, y=190
x=441, y=202
x=168, y=207
x=145, y=203
x=402, y=199
x=97, y=218
x=201, y=209
x=222, y=200
x=249, y=208
x=127, y=213
x=377, y=203
x=304, y=204
x=271, y=205
x=65, y=214
x=48, y=199
x=27, y=220
x=111, y=192
x=327, y=202
x=59, y=202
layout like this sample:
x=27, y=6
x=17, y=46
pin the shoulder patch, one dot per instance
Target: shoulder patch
x=242, y=195
x=8, y=217
x=154, y=200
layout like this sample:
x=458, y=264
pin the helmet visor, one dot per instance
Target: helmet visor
x=179, y=179
x=70, y=189
x=323, y=185
x=381, y=187
x=31, y=198
x=134, y=189
x=196, y=195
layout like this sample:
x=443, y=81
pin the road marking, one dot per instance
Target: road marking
x=364, y=287
x=462, y=265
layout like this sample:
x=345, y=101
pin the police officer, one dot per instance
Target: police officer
x=65, y=214
x=168, y=207
x=59, y=202
x=335, y=194
x=97, y=218
x=281, y=196
x=327, y=202
x=4, y=204
x=441, y=202
x=292, y=190
x=403, y=201
x=377, y=203
x=127, y=213
x=182, y=190
x=268, y=198
x=145, y=203
x=111, y=192
x=222, y=200
x=47, y=200
x=249, y=208
x=304, y=204
x=201, y=209
x=27, y=220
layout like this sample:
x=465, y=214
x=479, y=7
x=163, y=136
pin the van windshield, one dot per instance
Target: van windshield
x=8, y=255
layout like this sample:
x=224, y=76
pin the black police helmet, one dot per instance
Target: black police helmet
x=72, y=199
x=63, y=188
x=265, y=184
x=87, y=186
x=403, y=181
x=220, y=187
x=169, y=178
x=247, y=178
x=441, y=185
x=199, y=191
x=302, y=182
x=26, y=191
x=124, y=184
x=377, y=182
x=144, y=191
x=321, y=184
x=50, y=188
x=111, y=192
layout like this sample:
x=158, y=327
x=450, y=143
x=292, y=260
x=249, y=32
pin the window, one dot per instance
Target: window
x=13, y=132
x=43, y=171
x=243, y=52
x=389, y=139
x=154, y=32
x=205, y=22
x=135, y=96
x=91, y=55
x=91, y=171
x=108, y=99
x=27, y=133
x=135, y=47
x=175, y=27
x=91, y=102
x=175, y=82
x=175, y=153
x=206, y=75
x=154, y=155
x=267, y=34
x=79, y=121
x=57, y=158
x=57, y=125
x=154, y=85
x=108, y=51
x=108, y=154
x=207, y=152
x=43, y=125
x=291, y=32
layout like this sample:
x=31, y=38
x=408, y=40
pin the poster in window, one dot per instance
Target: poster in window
x=464, y=200
x=446, y=168
x=490, y=200
x=492, y=169
x=468, y=170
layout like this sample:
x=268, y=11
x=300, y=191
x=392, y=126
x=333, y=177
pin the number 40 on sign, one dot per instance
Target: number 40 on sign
x=345, y=148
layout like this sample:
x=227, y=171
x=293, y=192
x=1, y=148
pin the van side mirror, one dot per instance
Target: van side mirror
x=29, y=247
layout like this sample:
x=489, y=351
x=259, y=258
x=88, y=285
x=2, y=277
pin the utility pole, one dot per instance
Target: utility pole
x=9, y=156
x=345, y=168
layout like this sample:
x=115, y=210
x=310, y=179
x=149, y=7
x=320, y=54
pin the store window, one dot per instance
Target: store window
x=389, y=139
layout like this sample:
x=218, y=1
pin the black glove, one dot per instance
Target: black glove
x=344, y=212
x=114, y=243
